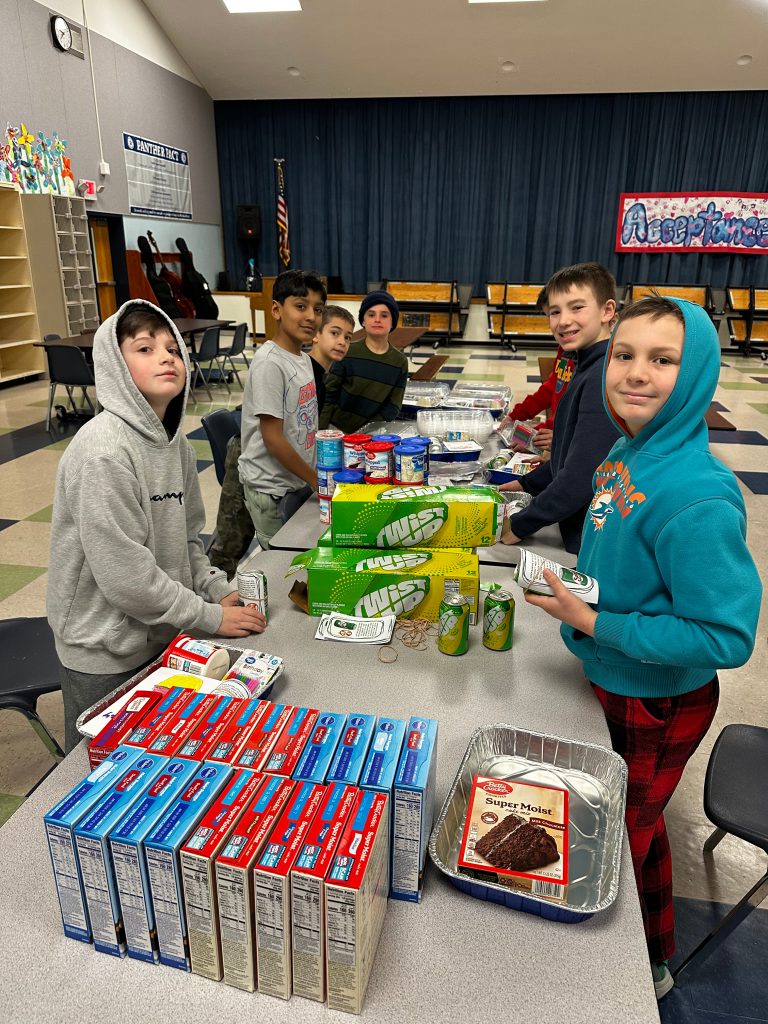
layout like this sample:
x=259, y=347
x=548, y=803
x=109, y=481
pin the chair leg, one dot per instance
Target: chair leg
x=48, y=740
x=88, y=400
x=234, y=370
x=51, y=395
x=714, y=839
x=68, y=388
x=732, y=920
x=222, y=365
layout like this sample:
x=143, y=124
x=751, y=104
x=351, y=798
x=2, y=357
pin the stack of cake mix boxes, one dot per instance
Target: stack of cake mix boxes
x=247, y=841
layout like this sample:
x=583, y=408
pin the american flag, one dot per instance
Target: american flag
x=283, y=242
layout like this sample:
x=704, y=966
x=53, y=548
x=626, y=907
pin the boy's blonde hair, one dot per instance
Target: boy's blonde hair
x=337, y=313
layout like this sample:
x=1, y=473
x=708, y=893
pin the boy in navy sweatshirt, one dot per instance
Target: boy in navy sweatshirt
x=665, y=538
x=581, y=304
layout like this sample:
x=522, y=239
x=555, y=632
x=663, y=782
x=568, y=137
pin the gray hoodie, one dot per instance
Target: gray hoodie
x=127, y=568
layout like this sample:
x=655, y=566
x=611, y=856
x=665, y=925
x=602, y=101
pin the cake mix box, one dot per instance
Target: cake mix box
x=291, y=742
x=60, y=822
x=263, y=737
x=349, y=759
x=384, y=756
x=183, y=723
x=162, y=847
x=198, y=869
x=272, y=889
x=413, y=808
x=91, y=836
x=120, y=727
x=207, y=733
x=408, y=584
x=126, y=842
x=234, y=882
x=176, y=698
x=318, y=753
x=439, y=516
x=355, y=897
x=234, y=737
x=516, y=834
x=307, y=877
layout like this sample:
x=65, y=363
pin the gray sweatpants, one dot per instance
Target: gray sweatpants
x=82, y=689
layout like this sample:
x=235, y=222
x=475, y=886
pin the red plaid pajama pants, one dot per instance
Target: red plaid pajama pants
x=656, y=737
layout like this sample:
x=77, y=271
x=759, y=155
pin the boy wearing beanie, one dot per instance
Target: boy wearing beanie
x=370, y=382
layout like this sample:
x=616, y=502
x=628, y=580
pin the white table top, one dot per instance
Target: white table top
x=451, y=958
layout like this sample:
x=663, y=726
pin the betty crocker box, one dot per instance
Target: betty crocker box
x=263, y=737
x=118, y=729
x=183, y=724
x=349, y=759
x=413, y=808
x=381, y=516
x=307, y=877
x=291, y=742
x=321, y=746
x=177, y=698
x=233, y=738
x=206, y=734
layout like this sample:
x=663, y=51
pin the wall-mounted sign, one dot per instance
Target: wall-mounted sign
x=693, y=222
x=158, y=178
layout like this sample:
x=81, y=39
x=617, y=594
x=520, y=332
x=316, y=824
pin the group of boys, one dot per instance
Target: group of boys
x=630, y=480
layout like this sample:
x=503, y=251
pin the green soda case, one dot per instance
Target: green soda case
x=498, y=620
x=453, y=624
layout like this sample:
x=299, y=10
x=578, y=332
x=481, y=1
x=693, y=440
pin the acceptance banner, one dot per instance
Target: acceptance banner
x=698, y=222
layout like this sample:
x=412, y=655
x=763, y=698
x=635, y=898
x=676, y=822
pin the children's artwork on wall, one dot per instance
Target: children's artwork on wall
x=693, y=222
x=35, y=164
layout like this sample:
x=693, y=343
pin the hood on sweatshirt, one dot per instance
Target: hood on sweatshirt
x=116, y=390
x=681, y=419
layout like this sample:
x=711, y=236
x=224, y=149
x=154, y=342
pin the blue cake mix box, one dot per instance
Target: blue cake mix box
x=384, y=756
x=162, y=847
x=349, y=759
x=319, y=751
x=95, y=857
x=413, y=808
x=60, y=822
x=126, y=842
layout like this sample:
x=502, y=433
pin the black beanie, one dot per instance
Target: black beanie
x=380, y=299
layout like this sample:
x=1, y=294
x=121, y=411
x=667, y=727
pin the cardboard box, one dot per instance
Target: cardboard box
x=234, y=882
x=162, y=847
x=234, y=737
x=352, y=751
x=126, y=841
x=263, y=737
x=413, y=808
x=291, y=742
x=91, y=836
x=409, y=584
x=60, y=823
x=204, y=737
x=318, y=753
x=272, y=889
x=380, y=516
x=119, y=728
x=307, y=904
x=198, y=868
x=355, y=895
x=384, y=756
x=177, y=698
x=183, y=724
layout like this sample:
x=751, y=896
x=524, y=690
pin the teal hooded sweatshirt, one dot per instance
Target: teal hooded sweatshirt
x=665, y=537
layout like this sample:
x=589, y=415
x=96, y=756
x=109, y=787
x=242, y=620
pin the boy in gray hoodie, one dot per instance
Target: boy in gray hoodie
x=127, y=569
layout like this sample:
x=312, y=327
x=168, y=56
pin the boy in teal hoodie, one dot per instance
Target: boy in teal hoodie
x=665, y=537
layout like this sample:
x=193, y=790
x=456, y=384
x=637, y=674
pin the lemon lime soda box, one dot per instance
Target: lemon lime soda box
x=408, y=584
x=380, y=516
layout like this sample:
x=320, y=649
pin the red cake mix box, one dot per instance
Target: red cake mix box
x=122, y=725
x=207, y=733
x=155, y=723
x=182, y=724
x=233, y=738
x=263, y=737
x=291, y=742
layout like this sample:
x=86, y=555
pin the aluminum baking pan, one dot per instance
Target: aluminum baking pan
x=596, y=780
x=141, y=675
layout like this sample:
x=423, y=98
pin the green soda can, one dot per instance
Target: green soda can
x=498, y=620
x=453, y=624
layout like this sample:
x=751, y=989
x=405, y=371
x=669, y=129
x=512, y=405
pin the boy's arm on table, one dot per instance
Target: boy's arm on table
x=210, y=583
x=333, y=381
x=280, y=448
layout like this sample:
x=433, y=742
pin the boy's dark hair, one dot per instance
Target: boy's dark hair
x=336, y=313
x=541, y=300
x=593, y=275
x=654, y=306
x=141, y=318
x=298, y=283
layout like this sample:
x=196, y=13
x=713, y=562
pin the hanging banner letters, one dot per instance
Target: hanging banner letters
x=158, y=178
x=697, y=222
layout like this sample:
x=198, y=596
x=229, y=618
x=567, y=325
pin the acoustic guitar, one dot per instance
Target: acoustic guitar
x=173, y=280
x=195, y=286
x=161, y=288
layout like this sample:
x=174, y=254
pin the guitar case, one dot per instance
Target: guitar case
x=195, y=286
x=161, y=288
x=174, y=281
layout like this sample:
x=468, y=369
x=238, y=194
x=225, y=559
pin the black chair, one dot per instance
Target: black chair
x=736, y=802
x=209, y=352
x=68, y=366
x=238, y=349
x=219, y=426
x=30, y=669
x=291, y=502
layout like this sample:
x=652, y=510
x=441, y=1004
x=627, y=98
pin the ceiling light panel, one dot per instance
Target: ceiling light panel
x=261, y=6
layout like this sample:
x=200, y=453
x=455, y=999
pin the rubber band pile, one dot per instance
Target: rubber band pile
x=412, y=633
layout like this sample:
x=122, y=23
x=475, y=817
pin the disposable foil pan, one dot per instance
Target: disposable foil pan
x=141, y=675
x=596, y=780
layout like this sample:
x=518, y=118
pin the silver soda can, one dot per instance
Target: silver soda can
x=252, y=590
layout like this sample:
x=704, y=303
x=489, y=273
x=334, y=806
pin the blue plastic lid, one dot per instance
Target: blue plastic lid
x=406, y=448
x=391, y=438
x=349, y=476
x=422, y=442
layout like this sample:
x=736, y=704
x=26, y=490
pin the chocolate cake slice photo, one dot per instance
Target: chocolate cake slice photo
x=514, y=844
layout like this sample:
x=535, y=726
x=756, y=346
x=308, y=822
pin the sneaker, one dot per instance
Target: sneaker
x=662, y=979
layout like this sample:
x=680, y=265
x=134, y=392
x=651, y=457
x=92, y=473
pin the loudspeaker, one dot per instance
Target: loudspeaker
x=249, y=223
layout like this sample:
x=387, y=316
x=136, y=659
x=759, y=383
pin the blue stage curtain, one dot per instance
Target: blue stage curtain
x=485, y=188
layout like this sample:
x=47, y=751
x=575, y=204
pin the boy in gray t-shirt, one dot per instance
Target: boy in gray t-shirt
x=279, y=419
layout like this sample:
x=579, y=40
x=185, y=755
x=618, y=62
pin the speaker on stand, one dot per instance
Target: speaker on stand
x=249, y=235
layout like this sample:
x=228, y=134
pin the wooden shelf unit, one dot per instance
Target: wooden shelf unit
x=513, y=313
x=433, y=305
x=62, y=265
x=19, y=328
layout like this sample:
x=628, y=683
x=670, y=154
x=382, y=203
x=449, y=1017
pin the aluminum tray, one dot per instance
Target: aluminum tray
x=141, y=675
x=596, y=780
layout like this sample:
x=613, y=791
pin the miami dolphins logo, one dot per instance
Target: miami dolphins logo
x=601, y=508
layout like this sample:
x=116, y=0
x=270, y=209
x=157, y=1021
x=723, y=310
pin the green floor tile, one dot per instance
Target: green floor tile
x=483, y=376
x=202, y=448
x=760, y=406
x=9, y=804
x=43, y=515
x=14, y=577
x=6, y=430
x=735, y=385
x=59, y=446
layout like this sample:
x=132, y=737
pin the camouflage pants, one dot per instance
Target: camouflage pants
x=234, y=526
